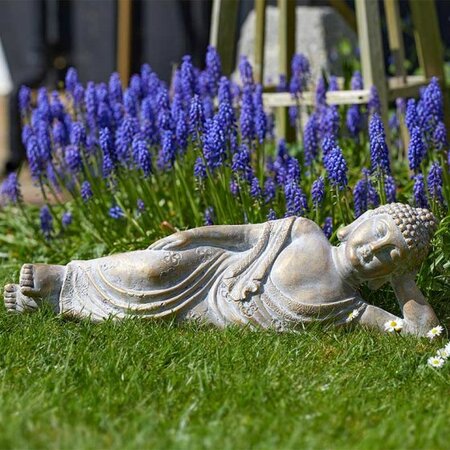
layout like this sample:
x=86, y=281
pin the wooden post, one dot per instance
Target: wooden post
x=429, y=45
x=223, y=32
x=286, y=36
x=371, y=49
x=124, y=39
x=260, y=39
x=395, y=37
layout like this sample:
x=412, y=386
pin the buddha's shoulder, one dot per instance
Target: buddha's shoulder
x=304, y=227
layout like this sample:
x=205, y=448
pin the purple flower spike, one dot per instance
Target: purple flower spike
x=73, y=158
x=46, y=220
x=10, y=189
x=213, y=69
x=115, y=88
x=390, y=189
x=269, y=190
x=416, y=150
x=318, y=192
x=116, y=212
x=434, y=182
x=311, y=140
x=420, y=197
x=260, y=115
x=71, y=79
x=271, y=215
x=321, y=93
x=296, y=201
x=166, y=156
x=440, y=137
x=209, y=216
x=374, y=105
x=187, y=78
x=411, y=118
x=247, y=114
x=214, y=144
x=66, y=219
x=199, y=169
x=246, y=71
x=196, y=116
x=433, y=102
x=354, y=121
x=300, y=74
x=141, y=155
x=336, y=167
x=24, y=100
x=255, y=188
x=356, y=83
x=86, y=191
x=328, y=227
x=379, y=153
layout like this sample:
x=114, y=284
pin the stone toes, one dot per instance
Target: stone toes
x=27, y=276
x=10, y=297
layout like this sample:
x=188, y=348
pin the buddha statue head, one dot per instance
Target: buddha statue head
x=387, y=241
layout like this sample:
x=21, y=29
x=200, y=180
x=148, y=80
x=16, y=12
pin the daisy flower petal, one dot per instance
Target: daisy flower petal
x=434, y=332
x=436, y=361
x=393, y=325
x=352, y=315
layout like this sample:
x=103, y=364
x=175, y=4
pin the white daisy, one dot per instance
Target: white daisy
x=353, y=315
x=436, y=361
x=443, y=353
x=447, y=347
x=393, y=325
x=436, y=331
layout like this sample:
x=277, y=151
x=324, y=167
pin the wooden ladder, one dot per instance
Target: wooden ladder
x=367, y=19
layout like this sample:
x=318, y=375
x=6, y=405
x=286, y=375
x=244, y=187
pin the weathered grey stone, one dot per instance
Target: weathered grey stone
x=280, y=274
x=319, y=32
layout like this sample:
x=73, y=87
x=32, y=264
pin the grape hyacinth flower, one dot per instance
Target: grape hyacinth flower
x=321, y=93
x=318, y=192
x=360, y=198
x=234, y=187
x=333, y=84
x=142, y=156
x=433, y=102
x=374, y=104
x=440, y=137
x=247, y=115
x=434, y=183
x=166, y=156
x=182, y=131
x=199, y=169
x=328, y=227
x=10, y=189
x=354, y=121
x=213, y=69
x=46, y=220
x=411, y=118
x=416, y=150
x=73, y=159
x=311, y=140
x=196, y=116
x=209, y=216
x=24, y=100
x=115, y=88
x=71, y=79
x=420, y=197
x=86, y=191
x=390, y=189
x=226, y=111
x=34, y=157
x=271, y=215
x=379, y=153
x=241, y=163
x=260, y=115
x=300, y=74
x=66, y=219
x=329, y=123
x=214, y=144
x=296, y=201
x=140, y=205
x=255, y=188
x=356, y=83
x=269, y=189
x=336, y=167
x=246, y=71
x=187, y=78
x=116, y=212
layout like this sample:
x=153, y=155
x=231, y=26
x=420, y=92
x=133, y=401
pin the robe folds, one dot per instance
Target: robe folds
x=215, y=284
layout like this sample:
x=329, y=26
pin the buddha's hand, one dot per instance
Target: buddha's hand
x=174, y=241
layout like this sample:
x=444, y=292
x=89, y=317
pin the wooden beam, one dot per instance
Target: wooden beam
x=223, y=32
x=260, y=39
x=371, y=49
x=395, y=36
x=286, y=37
x=429, y=45
x=346, y=13
x=124, y=39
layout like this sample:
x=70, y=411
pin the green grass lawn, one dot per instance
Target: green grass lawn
x=76, y=385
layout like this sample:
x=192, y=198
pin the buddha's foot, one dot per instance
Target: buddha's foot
x=16, y=302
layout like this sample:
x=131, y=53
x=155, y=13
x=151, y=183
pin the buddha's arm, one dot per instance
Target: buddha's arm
x=417, y=312
x=238, y=237
x=418, y=315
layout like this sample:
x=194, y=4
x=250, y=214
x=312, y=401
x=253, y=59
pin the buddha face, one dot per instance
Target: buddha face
x=374, y=246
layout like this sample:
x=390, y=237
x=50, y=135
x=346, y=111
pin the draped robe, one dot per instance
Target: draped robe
x=212, y=283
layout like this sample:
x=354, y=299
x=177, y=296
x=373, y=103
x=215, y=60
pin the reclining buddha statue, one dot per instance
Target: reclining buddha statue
x=281, y=274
